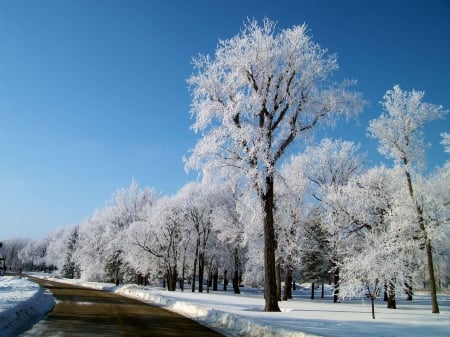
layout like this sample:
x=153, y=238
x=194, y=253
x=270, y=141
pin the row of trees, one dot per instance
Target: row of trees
x=255, y=212
x=335, y=219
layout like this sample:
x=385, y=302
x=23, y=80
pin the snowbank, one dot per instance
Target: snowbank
x=220, y=312
x=22, y=302
x=242, y=315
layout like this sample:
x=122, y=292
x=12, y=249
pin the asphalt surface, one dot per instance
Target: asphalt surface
x=86, y=312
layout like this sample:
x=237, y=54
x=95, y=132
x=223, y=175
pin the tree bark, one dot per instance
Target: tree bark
x=215, y=279
x=172, y=278
x=312, y=290
x=391, y=302
x=270, y=246
x=195, y=267
x=236, y=273
x=201, y=270
x=225, y=280
x=278, y=278
x=336, y=286
x=428, y=248
x=288, y=284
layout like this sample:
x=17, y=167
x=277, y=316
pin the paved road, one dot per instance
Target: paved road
x=85, y=312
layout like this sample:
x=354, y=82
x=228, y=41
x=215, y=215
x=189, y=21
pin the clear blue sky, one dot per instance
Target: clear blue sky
x=94, y=93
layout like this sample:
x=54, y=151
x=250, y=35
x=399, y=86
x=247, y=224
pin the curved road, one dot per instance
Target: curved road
x=86, y=312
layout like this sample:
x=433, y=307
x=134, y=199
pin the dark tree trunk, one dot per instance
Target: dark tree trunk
x=323, y=290
x=225, y=280
x=195, y=268
x=201, y=270
x=372, y=300
x=427, y=241
x=236, y=273
x=288, y=284
x=336, y=286
x=278, y=278
x=172, y=278
x=236, y=282
x=270, y=246
x=215, y=279
x=409, y=289
x=390, y=292
x=312, y=290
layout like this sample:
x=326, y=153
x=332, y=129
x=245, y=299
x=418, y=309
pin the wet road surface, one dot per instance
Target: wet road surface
x=86, y=312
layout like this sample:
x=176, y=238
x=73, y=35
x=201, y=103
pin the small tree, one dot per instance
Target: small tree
x=399, y=132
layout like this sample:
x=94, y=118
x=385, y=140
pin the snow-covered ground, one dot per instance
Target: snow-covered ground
x=22, y=302
x=242, y=315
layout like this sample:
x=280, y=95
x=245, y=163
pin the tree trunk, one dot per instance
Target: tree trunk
x=323, y=290
x=172, y=278
x=409, y=289
x=372, y=300
x=236, y=273
x=433, y=291
x=278, y=278
x=428, y=248
x=312, y=290
x=336, y=286
x=215, y=279
x=270, y=246
x=195, y=268
x=288, y=284
x=391, y=303
x=201, y=270
x=225, y=280
x=236, y=282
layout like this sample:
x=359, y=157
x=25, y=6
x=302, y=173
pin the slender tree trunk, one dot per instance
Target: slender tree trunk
x=278, y=278
x=323, y=290
x=195, y=264
x=336, y=286
x=215, y=279
x=225, y=280
x=428, y=248
x=236, y=273
x=288, y=284
x=372, y=300
x=201, y=270
x=409, y=289
x=312, y=290
x=270, y=246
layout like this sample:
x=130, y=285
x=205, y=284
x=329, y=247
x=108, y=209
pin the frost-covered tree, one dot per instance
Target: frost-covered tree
x=228, y=225
x=161, y=235
x=101, y=244
x=327, y=166
x=263, y=89
x=9, y=250
x=400, y=136
x=375, y=235
x=70, y=268
x=198, y=201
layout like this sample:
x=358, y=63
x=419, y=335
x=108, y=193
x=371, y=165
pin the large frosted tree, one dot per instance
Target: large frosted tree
x=261, y=90
x=399, y=132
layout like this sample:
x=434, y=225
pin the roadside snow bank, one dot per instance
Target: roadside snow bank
x=21, y=303
x=224, y=321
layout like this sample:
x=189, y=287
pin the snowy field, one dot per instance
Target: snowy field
x=241, y=315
